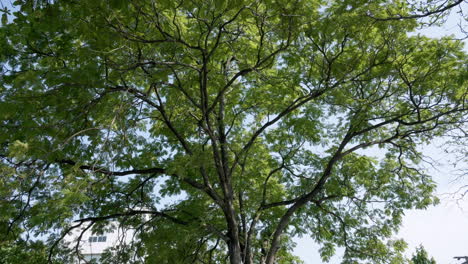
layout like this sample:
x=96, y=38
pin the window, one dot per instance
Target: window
x=93, y=239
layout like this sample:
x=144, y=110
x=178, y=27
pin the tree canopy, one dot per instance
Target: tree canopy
x=421, y=257
x=234, y=125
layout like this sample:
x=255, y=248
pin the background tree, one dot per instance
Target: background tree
x=421, y=257
x=231, y=125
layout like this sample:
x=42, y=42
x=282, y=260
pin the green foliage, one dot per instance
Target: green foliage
x=220, y=129
x=32, y=252
x=421, y=257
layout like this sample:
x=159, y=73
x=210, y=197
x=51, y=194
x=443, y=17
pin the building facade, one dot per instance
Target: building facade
x=92, y=245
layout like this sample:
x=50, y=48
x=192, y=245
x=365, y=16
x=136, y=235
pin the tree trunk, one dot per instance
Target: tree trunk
x=235, y=254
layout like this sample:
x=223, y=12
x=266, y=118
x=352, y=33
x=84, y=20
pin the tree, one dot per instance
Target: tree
x=233, y=125
x=421, y=257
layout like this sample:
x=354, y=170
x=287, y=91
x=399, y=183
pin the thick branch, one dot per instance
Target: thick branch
x=113, y=173
x=131, y=213
x=440, y=9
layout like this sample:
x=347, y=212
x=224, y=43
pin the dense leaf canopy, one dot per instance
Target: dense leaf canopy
x=421, y=257
x=218, y=130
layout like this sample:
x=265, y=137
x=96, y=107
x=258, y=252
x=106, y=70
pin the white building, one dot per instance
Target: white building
x=92, y=246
